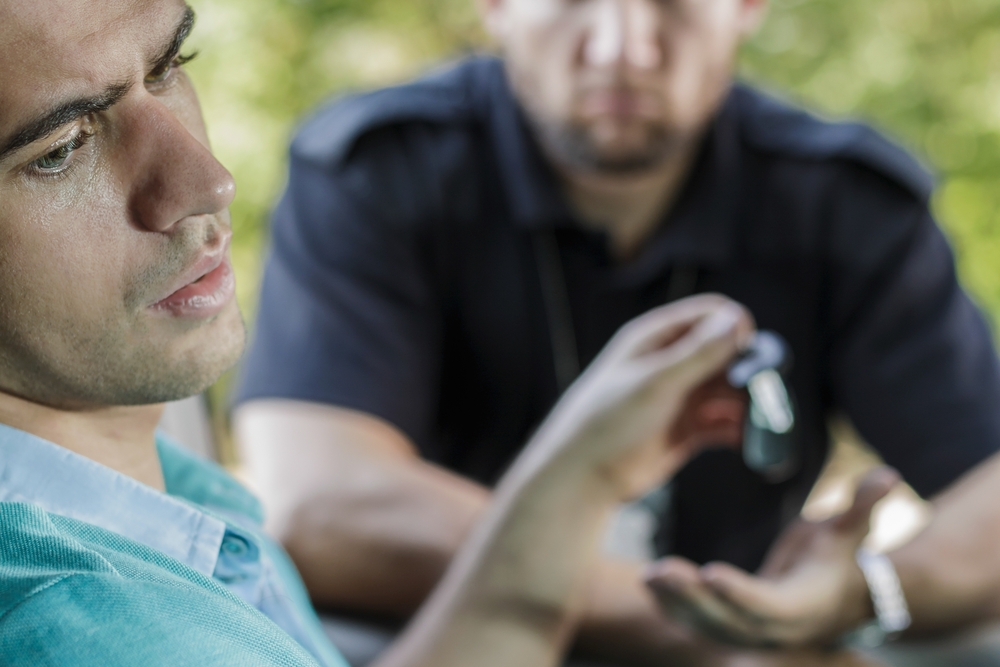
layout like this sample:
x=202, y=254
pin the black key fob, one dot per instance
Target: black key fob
x=769, y=434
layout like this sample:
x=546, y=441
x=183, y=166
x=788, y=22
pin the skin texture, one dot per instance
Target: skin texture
x=814, y=557
x=81, y=332
x=620, y=92
x=619, y=85
x=793, y=659
x=89, y=246
x=810, y=591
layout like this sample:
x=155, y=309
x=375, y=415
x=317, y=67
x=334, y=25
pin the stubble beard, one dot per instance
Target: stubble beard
x=574, y=147
x=129, y=357
x=117, y=371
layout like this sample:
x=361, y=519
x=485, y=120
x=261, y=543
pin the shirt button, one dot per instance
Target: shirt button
x=235, y=546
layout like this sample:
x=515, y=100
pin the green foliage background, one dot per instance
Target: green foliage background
x=925, y=71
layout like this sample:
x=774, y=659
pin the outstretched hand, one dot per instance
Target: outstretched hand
x=809, y=591
x=756, y=658
x=654, y=396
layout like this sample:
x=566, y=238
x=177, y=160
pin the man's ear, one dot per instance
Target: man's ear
x=492, y=13
x=752, y=13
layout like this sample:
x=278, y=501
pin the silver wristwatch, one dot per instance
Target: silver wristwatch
x=892, y=616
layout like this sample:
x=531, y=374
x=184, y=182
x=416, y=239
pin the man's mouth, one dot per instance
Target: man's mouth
x=622, y=103
x=206, y=289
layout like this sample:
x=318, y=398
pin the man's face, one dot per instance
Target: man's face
x=115, y=282
x=620, y=85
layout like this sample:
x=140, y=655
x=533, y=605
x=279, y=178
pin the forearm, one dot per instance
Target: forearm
x=389, y=552
x=382, y=545
x=370, y=525
x=951, y=572
x=517, y=588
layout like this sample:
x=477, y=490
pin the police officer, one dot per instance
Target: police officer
x=449, y=253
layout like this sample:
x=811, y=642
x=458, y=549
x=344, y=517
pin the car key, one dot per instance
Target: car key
x=769, y=435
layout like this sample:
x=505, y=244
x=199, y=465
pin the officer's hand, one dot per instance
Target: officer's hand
x=794, y=659
x=622, y=418
x=809, y=592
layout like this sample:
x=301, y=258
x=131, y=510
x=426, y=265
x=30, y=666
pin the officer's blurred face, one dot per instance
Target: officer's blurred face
x=115, y=283
x=619, y=85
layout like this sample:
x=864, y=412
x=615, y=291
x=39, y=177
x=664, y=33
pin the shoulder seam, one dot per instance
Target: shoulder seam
x=439, y=98
x=780, y=128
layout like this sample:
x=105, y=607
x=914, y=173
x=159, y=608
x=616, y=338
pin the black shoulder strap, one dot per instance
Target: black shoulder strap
x=558, y=311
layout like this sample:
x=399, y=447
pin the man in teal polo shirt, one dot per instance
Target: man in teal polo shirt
x=116, y=295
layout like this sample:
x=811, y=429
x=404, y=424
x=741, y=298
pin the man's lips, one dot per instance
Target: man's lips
x=619, y=103
x=205, y=289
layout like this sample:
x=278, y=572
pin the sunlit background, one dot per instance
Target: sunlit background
x=264, y=64
x=927, y=72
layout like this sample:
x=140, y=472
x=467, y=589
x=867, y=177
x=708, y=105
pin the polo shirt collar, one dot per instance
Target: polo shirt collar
x=700, y=229
x=37, y=472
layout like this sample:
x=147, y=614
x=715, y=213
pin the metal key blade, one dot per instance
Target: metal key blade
x=770, y=400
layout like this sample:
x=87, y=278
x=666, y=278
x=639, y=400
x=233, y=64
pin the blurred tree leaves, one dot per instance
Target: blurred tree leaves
x=264, y=64
x=925, y=71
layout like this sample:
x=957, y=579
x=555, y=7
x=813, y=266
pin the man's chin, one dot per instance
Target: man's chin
x=625, y=162
x=615, y=160
x=218, y=345
x=193, y=362
x=140, y=363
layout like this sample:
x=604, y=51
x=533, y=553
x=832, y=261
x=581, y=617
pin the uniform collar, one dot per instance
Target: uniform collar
x=700, y=228
x=40, y=473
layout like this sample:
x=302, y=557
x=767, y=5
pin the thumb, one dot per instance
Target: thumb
x=873, y=488
x=750, y=594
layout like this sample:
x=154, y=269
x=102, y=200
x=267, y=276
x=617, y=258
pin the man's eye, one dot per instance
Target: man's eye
x=159, y=75
x=162, y=73
x=56, y=159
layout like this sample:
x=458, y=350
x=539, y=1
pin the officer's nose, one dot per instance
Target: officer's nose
x=624, y=32
x=175, y=176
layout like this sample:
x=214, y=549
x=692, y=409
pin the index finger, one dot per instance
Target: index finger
x=718, y=334
x=663, y=327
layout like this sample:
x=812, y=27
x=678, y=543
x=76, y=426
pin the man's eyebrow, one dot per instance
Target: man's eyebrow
x=66, y=113
x=166, y=56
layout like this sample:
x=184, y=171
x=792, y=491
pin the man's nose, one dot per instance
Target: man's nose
x=174, y=175
x=624, y=32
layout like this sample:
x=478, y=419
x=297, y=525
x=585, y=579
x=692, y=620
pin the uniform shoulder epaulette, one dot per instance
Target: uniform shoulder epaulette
x=775, y=126
x=440, y=97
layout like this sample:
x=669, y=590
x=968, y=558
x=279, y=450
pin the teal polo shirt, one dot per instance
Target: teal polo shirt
x=99, y=570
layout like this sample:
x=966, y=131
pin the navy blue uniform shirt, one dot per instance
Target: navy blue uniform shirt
x=403, y=282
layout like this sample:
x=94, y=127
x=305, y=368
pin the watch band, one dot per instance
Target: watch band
x=892, y=615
